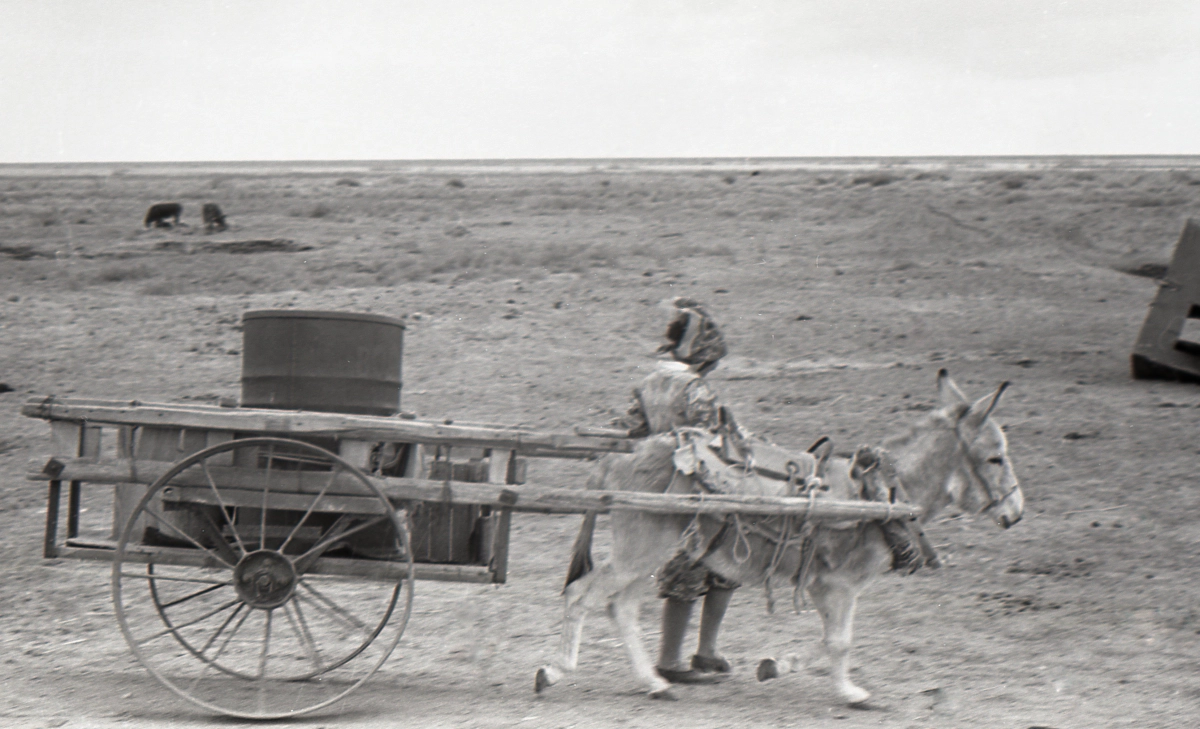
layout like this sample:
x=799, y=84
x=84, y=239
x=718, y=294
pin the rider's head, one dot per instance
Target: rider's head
x=693, y=337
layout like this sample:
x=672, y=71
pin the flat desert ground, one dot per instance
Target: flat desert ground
x=535, y=294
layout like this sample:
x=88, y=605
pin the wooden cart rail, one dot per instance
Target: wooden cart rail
x=525, y=497
x=365, y=569
x=307, y=423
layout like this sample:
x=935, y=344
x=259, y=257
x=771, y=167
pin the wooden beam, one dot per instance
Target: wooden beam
x=50, y=538
x=351, y=427
x=525, y=498
x=252, y=499
x=499, y=523
x=361, y=568
x=1165, y=348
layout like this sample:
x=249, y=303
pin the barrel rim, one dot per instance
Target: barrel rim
x=315, y=314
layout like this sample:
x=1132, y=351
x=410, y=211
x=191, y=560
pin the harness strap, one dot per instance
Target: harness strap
x=718, y=539
x=780, y=546
x=808, y=548
x=741, y=541
x=965, y=449
x=786, y=538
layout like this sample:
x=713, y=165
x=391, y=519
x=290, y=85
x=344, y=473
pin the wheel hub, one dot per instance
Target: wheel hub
x=264, y=579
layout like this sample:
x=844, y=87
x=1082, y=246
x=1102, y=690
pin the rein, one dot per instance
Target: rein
x=993, y=501
x=787, y=537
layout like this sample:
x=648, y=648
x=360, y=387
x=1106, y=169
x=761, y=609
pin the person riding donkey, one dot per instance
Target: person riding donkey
x=677, y=395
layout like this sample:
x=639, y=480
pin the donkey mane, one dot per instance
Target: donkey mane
x=943, y=417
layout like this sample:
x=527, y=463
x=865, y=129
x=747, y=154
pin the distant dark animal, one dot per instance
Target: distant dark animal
x=159, y=213
x=214, y=219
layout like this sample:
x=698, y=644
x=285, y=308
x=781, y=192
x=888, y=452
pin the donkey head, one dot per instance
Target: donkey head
x=984, y=481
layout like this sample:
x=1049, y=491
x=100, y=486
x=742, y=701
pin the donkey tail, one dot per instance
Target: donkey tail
x=581, y=553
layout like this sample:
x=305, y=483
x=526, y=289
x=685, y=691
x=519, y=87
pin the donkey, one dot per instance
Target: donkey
x=159, y=214
x=956, y=455
x=214, y=219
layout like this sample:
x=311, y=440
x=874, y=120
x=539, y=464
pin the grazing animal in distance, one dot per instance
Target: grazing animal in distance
x=214, y=219
x=956, y=455
x=160, y=213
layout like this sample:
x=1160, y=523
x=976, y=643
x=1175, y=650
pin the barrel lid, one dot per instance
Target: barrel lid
x=309, y=314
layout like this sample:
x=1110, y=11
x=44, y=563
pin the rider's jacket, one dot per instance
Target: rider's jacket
x=672, y=396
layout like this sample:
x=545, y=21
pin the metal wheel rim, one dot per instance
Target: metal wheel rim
x=398, y=623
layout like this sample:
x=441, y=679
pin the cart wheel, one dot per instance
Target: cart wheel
x=235, y=582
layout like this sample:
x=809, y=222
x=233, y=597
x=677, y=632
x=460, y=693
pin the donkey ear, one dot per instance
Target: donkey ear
x=984, y=406
x=948, y=392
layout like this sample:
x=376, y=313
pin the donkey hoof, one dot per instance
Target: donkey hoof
x=768, y=668
x=542, y=681
x=664, y=694
x=855, y=696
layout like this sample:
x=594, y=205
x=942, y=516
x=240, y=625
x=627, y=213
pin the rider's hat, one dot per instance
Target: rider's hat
x=693, y=337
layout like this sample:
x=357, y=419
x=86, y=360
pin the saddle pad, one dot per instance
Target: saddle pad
x=693, y=457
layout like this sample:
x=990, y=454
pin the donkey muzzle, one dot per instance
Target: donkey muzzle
x=1008, y=510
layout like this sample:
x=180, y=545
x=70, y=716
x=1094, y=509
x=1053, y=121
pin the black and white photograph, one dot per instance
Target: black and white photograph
x=624, y=364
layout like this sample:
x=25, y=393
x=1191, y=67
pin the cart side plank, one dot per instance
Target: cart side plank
x=349, y=427
x=334, y=566
x=526, y=497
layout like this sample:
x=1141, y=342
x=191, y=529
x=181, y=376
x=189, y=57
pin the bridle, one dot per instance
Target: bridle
x=993, y=500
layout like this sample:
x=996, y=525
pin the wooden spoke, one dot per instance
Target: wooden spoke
x=164, y=578
x=173, y=629
x=266, y=495
x=229, y=638
x=333, y=607
x=192, y=596
x=304, y=561
x=333, y=474
x=300, y=628
x=210, y=664
x=225, y=511
x=213, y=638
x=219, y=542
x=166, y=522
x=266, y=645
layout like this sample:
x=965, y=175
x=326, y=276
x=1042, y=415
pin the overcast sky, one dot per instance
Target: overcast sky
x=180, y=80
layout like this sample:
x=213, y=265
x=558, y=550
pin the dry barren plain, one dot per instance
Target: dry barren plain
x=533, y=294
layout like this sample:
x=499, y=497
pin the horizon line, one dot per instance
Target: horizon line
x=747, y=158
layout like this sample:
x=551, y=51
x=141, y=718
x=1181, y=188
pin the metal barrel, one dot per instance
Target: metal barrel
x=326, y=361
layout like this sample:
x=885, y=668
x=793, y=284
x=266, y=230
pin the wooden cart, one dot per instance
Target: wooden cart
x=263, y=561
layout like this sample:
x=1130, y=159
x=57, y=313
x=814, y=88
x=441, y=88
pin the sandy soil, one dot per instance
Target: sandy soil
x=536, y=298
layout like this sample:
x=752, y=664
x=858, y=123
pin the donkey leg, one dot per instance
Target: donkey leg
x=625, y=609
x=836, y=603
x=577, y=600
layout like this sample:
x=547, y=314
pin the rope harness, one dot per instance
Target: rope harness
x=788, y=532
x=793, y=532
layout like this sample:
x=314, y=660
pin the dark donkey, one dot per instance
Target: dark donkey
x=214, y=219
x=160, y=213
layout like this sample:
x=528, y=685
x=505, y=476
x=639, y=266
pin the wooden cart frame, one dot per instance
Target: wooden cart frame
x=193, y=478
